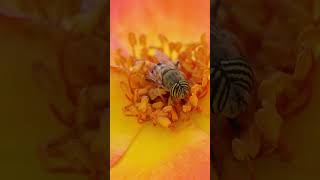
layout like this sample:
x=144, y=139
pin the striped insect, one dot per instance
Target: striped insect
x=231, y=85
x=167, y=75
x=232, y=78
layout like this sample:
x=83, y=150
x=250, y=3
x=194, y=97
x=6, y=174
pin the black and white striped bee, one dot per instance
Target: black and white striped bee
x=232, y=78
x=231, y=86
x=167, y=75
x=232, y=89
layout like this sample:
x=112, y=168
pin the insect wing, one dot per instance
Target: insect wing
x=164, y=59
x=154, y=75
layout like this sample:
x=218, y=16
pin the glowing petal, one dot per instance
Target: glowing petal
x=123, y=129
x=160, y=153
x=160, y=17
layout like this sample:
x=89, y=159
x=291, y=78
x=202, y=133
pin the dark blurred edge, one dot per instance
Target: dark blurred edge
x=108, y=74
x=252, y=47
x=107, y=71
x=212, y=15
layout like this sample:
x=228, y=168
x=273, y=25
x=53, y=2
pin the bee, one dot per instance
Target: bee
x=232, y=77
x=232, y=84
x=232, y=89
x=167, y=75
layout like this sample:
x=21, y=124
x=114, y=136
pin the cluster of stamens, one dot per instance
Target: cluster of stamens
x=147, y=100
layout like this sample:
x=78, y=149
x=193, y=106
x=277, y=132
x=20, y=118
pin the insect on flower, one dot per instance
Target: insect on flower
x=159, y=89
x=233, y=78
x=167, y=75
x=232, y=83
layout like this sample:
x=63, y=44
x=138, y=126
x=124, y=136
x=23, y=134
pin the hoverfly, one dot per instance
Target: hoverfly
x=231, y=84
x=232, y=77
x=167, y=75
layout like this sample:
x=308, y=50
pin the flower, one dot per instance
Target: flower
x=142, y=150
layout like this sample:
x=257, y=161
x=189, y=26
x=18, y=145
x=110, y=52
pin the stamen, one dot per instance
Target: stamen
x=133, y=43
x=148, y=100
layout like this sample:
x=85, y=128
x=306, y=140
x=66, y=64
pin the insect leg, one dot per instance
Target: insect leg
x=177, y=64
x=162, y=98
x=150, y=77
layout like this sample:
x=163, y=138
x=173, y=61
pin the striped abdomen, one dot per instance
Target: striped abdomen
x=231, y=85
x=175, y=82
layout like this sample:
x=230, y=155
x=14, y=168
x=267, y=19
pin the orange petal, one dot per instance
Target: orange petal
x=123, y=129
x=159, y=153
x=154, y=17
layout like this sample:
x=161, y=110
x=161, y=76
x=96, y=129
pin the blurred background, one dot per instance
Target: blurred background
x=275, y=36
x=40, y=42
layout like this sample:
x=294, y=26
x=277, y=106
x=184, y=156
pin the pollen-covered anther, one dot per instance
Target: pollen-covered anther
x=174, y=116
x=186, y=108
x=164, y=121
x=167, y=108
x=142, y=106
x=143, y=91
x=195, y=89
x=158, y=105
x=137, y=67
x=156, y=92
x=193, y=100
x=205, y=81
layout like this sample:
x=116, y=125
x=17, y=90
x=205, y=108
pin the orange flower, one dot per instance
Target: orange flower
x=141, y=150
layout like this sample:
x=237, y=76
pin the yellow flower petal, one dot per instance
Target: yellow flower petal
x=123, y=129
x=202, y=119
x=159, y=154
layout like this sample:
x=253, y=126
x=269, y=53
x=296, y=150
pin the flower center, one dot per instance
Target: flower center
x=153, y=100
